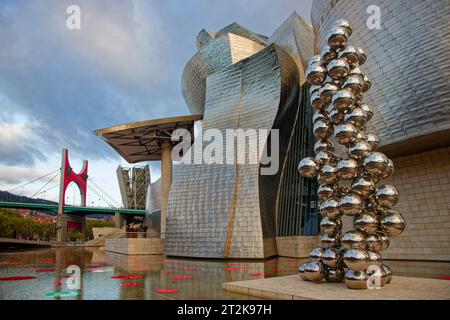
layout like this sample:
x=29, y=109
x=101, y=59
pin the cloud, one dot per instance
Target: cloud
x=12, y=175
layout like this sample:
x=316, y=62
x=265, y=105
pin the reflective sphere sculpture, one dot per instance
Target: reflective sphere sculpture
x=323, y=145
x=325, y=191
x=332, y=257
x=319, y=115
x=316, y=59
x=330, y=226
x=316, y=74
x=329, y=208
x=330, y=241
x=386, y=195
x=366, y=222
x=356, y=259
x=362, y=57
x=375, y=163
x=373, y=242
x=345, y=134
x=316, y=101
x=343, y=100
x=347, y=169
x=322, y=129
x=301, y=271
x=390, y=170
x=350, y=205
x=363, y=187
x=375, y=258
x=384, y=241
x=359, y=150
x=336, y=117
x=368, y=112
x=334, y=275
x=308, y=167
x=392, y=223
x=328, y=54
x=337, y=37
x=314, y=270
x=356, y=117
x=354, y=84
x=323, y=157
x=338, y=69
x=373, y=141
x=313, y=89
x=327, y=91
x=367, y=84
x=356, y=279
x=353, y=240
x=328, y=174
x=343, y=23
x=388, y=271
x=317, y=253
x=349, y=54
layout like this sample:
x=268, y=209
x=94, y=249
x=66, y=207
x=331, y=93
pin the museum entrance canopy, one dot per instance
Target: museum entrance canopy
x=141, y=141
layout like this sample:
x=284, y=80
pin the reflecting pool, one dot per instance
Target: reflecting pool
x=42, y=274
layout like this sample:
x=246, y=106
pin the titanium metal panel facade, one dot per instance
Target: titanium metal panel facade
x=409, y=65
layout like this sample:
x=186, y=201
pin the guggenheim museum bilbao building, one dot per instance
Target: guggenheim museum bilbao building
x=239, y=79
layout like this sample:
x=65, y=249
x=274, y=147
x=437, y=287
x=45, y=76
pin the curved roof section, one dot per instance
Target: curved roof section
x=140, y=141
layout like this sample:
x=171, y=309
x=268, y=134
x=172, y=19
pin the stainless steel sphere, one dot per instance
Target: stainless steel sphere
x=335, y=116
x=316, y=102
x=334, y=275
x=375, y=163
x=353, y=239
x=361, y=134
x=356, y=117
x=349, y=54
x=316, y=74
x=362, y=57
x=390, y=170
x=354, y=84
x=329, y=208
x=384, y=240
x=373, y=141
x=343, y=23
x=328, y=54
x=388, y=271
x=356, y=279
x=367, y=84
x=366, y=222
x=317, y=253
x=363, y=187
x=347, y=169
x=356, y=259
x=315, y=270
x=373, y=242
x=330, y=226
x=328, y=174
x=323, y=157
x=356, y=71
x=330, y=241
x=375, y=258
x=323, y=145
x=392, y=223
x=338, y=69
x=359, y=150
x=316, y=59
x=308, y=167
x=368, y=111
x=301, y=271
x=343, y=100
x=386, y=195
x=313, y=89
x=332, y=257
x=325, y=191
x=322, y=129
x=327, y=91
x=350, y=205
x=319, y=115
x=337, y=38
x=345, y=134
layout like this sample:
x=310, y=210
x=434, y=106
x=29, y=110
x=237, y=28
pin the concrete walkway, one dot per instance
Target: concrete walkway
x=293, y=288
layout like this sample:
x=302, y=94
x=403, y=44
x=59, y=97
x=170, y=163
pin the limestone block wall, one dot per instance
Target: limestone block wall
x=133, y=246
x=297, y=247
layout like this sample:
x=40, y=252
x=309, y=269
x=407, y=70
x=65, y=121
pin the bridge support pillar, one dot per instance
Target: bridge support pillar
x=119, y=220
x=166, y=181
x=67, y=222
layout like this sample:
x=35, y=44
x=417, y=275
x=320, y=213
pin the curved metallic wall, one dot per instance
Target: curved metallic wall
x=408, y=63
x=214, y=210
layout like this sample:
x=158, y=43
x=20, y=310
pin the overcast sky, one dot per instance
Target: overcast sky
x=58, y=85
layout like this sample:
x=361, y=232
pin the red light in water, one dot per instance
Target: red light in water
x=167, y=271
x=18, y=278
x=445, y=278
x=181, y=277
x=59, y=283
x=234, y=269
x=130, y=284
x=277, y=270
x=260, y=275
x=127, y=277
x=166, y=290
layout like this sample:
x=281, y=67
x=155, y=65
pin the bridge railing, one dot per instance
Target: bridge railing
x=127, y=235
